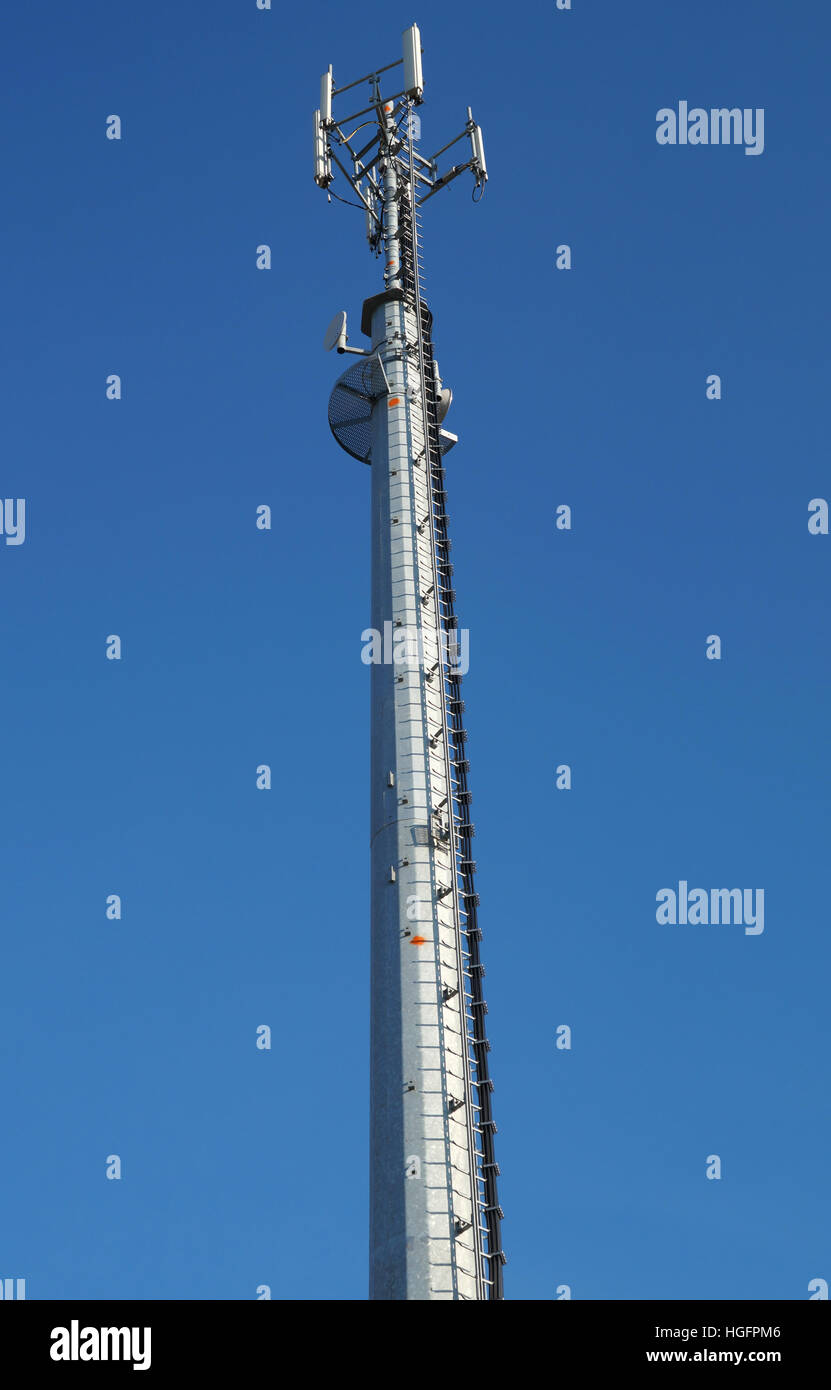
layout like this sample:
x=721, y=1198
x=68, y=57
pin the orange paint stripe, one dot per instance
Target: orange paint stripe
x=418, y=940
x=396, y=400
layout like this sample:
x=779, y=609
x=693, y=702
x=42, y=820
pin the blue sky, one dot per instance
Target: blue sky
x=241, y=647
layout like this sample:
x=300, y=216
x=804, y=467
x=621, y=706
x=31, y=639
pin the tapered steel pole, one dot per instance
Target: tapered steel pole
x=434, y=1222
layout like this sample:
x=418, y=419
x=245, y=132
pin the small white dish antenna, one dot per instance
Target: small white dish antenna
x=335, y=336
x=444, y=402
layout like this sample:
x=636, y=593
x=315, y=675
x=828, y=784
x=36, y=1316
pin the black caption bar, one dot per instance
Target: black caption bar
x=162, y=1339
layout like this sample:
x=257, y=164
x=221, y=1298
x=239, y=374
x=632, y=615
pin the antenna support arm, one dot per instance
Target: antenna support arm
x=446, y=179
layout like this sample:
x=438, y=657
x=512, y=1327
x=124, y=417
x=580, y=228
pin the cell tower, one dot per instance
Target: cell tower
x=434, y=1212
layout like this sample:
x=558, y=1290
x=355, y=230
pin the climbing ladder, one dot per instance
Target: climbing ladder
x=454, y=819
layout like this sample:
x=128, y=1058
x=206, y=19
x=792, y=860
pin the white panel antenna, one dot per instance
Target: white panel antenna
x=413, y=75
x=326, y=98
x=323, y=165
x=477, y=144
